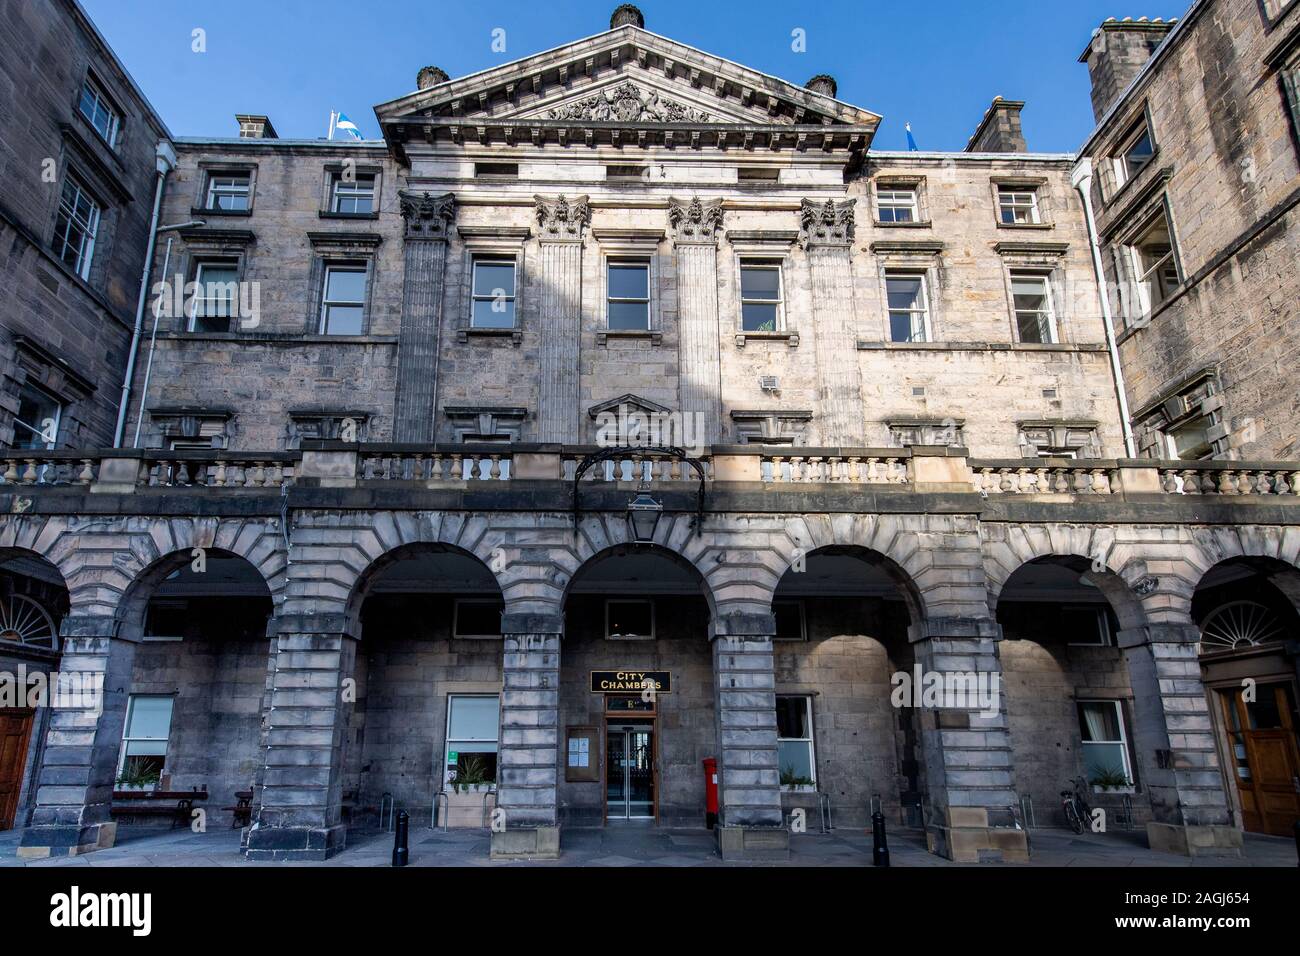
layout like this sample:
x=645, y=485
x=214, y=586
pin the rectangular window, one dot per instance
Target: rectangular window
x=477, y=618
x=794, y=741
x=1018, y=205
x=1291, y=87
x=473, y=722
x=1154, y=265
x=229, y=192
x=217, y=298
x=1105, y=744
x=909, y=313
x=497, y=170
x=1085, y=624
x=99, y=112
x=75, y=227
x=1190, y=440
x=1032, y=298
x=625, y=173
x=789, y=620
x=493, y=294
x=1135, y=151
x=760, y=296
x=343, y=302
x=628, y=295
x=37, y=422
x=144, y=740
x=354, y=196
x=896, y=204
x=630, y=620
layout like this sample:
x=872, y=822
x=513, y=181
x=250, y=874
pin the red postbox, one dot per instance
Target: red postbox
x=711, y=792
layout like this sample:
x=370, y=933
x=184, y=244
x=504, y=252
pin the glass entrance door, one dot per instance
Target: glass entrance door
x=630, y=772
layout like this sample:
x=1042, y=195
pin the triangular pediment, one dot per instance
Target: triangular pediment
x=627, y=404
x=626, y=80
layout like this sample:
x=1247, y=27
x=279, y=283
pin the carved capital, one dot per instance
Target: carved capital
x=427, y=217
x=826, y=224
x=695, y=221
x=561, y=218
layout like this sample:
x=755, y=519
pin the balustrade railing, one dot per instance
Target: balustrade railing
x=432, y=465
x=635, y=466
x=886, y=466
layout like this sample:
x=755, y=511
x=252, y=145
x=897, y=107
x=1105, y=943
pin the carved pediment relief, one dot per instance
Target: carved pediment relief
x=627, y=102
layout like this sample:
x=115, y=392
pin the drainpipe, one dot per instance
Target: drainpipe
x=165, y=162
x=1081, y=179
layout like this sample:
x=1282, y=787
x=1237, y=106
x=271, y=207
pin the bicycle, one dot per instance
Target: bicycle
x=1075, y=806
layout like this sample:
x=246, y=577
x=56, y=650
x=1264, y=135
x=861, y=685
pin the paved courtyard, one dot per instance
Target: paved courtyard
x=645, y=846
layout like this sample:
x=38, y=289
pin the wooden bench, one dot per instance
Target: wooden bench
x=243, y=808
x=177, y=804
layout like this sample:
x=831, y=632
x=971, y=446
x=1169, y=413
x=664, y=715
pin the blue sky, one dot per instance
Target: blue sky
x=936, y=65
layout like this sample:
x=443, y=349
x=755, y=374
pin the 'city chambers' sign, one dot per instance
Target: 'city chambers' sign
x=623, y=682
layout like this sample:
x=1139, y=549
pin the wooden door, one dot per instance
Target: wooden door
x=15, y=731
x=1262, y=733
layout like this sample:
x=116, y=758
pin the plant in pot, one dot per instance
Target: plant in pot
x=796, y=782
x=137, y=775
x=1110, y=778
x=471, y=797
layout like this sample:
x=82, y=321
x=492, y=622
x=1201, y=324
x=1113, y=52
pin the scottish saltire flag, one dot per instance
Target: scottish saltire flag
x=348, y=126
x=911, y=143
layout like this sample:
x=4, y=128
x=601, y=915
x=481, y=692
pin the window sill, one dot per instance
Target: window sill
x=326, y=214
x=654, y=335
x=922, y=224
x=790, y=338
x=1027, y=225
x=201, y=213
x=463, y=336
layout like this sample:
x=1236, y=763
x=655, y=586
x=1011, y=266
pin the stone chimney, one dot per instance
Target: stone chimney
x=255, y=126
x=999, y=131
x=824, y=84
x=1116, y=54
x=430, y=76
x=626, y=15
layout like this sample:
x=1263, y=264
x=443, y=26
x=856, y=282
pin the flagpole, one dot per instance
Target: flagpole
x=333, y=115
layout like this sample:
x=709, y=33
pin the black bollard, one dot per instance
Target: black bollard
x=879, y=849
x=401, y=855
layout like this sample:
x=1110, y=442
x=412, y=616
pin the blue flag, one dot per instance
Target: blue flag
x=348, y=126
x=911, y=143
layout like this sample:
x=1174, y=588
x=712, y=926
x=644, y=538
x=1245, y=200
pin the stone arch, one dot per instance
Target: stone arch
x=132, y=606
x=604, y=534
x=77, y=546
x=364, y=584
x=332, y=553
x=924, y=583
x=1114, y=566
x=1201, y=548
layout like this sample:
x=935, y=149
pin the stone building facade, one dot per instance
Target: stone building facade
x=392, y=538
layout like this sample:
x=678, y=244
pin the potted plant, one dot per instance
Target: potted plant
x=793, y=782
x=138, y=776
x=1111, y=780
x=471, y=794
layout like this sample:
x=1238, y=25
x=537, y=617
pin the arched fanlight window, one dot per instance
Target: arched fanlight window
x=24, y=621
x=1239, y=624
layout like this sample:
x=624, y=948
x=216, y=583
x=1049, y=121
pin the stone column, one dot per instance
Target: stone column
x=827, y=238
x=751, y=823
x=696, y=227
x=1173, y=737
x=956, y=688
x=427, y=219
x=299, y=816
x=561, y=225
x=526, y=824
x=74, y=783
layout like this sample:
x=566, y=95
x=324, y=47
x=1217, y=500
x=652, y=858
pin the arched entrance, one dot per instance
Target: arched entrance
x=33, y=601
x=842, y=616
x=424, y=727
x=637, y=712
x=1070, y=704
x=198, y=688
x=1246, y=610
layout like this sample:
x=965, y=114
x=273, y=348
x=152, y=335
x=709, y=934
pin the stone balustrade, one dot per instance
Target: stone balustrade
x=919, y=468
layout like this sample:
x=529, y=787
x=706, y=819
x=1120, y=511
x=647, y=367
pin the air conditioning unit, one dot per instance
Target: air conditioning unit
x=769, y=383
